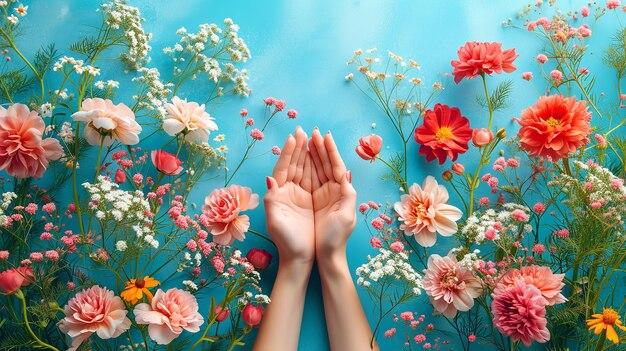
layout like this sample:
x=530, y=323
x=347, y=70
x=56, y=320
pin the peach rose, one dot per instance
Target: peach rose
x=95, y=310
x=369, y=147
x=23, y=151
x=188, y=118
x=103, y=118
x=481, y=137
x=168, y=314
x=222, y=213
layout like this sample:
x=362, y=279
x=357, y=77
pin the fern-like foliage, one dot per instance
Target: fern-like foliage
x=397, y=162
x=86, y=46
x=12, y=83
x=499, y=98
x=44, y=58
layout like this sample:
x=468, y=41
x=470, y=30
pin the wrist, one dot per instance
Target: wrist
x=295, y=269
x=333, y=264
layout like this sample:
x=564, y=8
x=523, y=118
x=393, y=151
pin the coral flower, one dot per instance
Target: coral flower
x=451, y=288
x=166, y=163
x=554, y=127
x=369, y=147
x=23, y=151
x=520, y=312
x=608, y=320
x=445, y=133
x=95, y=310
x=188, y=118
x=104, y=119
x=424, y=212
x=221, y=213
x=541, y=277
x=168, y=314
x=135, y=288
x=482, y=58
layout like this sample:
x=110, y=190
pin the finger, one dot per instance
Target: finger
x=337, y=165
x=315, y=180
x=282, y=165
x=272, y=186
x=319, y=169
x=297, y=178
x=293, y=164
x=348, y=194
x=305, y=183
x=318, y=140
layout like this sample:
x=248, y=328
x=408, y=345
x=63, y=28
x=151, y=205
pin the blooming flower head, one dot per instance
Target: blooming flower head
x=548, y=283
x=222, y=213
x=425, y=211
x=136, y=288
x=554, y=127
x=188, y=118
x=369, y=147
x=482, y=58
x=445, y=133
x=450, y=286
x=520, y=312
x=13, y=279
x=94, y=310
x=106, y=120
x=608, y=320
x=23, y=151
x=169, y=314
x=166, y=163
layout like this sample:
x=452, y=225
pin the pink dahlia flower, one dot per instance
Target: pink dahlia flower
x=103, y=118
x=520, y=312
x=541, y=277
x=23, y=151
x=451, y=288
x=190, y=119
x=482, y=58
x=168, y=314
x=425, y=211
x=95, y=310
x=222, y=213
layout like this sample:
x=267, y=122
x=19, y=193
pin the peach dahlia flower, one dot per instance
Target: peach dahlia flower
x=188, y=118
x=23, y=151
x=425, y=211
x=103, y=118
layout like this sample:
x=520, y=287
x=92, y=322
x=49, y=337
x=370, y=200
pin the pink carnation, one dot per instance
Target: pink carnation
x=396, y=246
x=222, y=212
x=168, y=314
x=548, y=283
x=95, y=310
x=256, y=134
x=375, y=242
x=450, y=286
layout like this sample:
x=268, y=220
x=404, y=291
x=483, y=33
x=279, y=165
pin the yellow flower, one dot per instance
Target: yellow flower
x=609, y=319
x=135, y=289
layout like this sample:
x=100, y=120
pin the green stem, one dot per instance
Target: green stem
x=482, y=75
x=95, y=178
x=261, y=236
x=600, y=344
x=20, y=295
x=400, y=177
x=32, y=68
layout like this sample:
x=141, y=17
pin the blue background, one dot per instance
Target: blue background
x=299, y=53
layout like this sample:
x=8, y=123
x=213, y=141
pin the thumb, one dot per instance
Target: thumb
x=271, y=183
x=348, y=194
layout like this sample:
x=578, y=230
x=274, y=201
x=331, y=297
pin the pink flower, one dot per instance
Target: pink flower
x=4, y=255
x=269, y=101
x=221, y=313
x=390, y=333
x=519, y=215
x=445, y=133
x=481, y=137
x=378, y=223
x=527, y=75
x=396, y=246
x=120, y=176
x=252, y=315
x=103, y=118
x=424, y=212
x=450, y=286
x=256, y=134
x=613, y=4
x=482, y=58
x=548, y=283
x=363, y=207
x=250, y=122
x=190, y=119
x=94, y=310
x=222, y=210
x=166, y=163
x=471, y=338
x=520, y=312
x=541, y=58
x=600, y=140
x=375, y=242
x=539, y=208
x=243, y=112
x=279, y=105
x=420, y=338
x=23, y=151
x=406, y=316
x=369, y=147
x=276, y=150
x=292, y=114
x=13, y=279
x=584, y=11
x=259, y=258
x=168, y=314
x=458, y=168
x=556, y=75
x=539, y=249
x=52, y=255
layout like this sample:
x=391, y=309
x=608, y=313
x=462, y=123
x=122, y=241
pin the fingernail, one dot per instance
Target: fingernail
x=328, y=132
x=269, y=183
x=349, y=177
x=316, y=128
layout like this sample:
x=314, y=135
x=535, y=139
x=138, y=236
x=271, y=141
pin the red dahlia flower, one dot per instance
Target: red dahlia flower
x=445, y=133
x=482, y=58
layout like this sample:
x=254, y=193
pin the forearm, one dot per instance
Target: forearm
x=347, y=326
x=282, y=319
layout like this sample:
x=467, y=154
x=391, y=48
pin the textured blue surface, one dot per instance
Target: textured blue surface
x=299, y=50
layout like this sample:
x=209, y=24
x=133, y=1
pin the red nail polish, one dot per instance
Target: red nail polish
x=269, y=183
x=349, y=177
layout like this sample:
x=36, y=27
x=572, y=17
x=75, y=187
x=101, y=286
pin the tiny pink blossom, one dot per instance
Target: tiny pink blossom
x=539, y=208
x=539, y=249
x=596, y=205
x=600, y=140
x=243, y=112
x=561, y=233
x=138, y=178
x=378, y=223
x=36, y=256
x=485, y=177
x=390, y=333
x=268, y=101
x=250, y=122
x=519, y=215
x=541, y=58
x=556, y=75
x=493, y=182
x=584, y=11
x=256, y=134
x=276, y=150
x=471, y=338
x=512, y=163
x=583, y=70
x=49, y=207
x=292, y=114
x=70, y=286
x=397, y=246
x=527, y=75
x=427, y=345
x=406, y=316
x=617, y=183
x=4, y=255
x=613, y=4
x=280, y=105
x=419, y=338
x=375, y=242
x=363, y=207
x=490, y=234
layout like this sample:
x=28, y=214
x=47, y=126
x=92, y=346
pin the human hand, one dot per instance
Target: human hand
x=288, y=202
x=334, y=198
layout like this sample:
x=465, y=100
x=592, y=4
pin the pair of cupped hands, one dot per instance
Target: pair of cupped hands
x=310, y=204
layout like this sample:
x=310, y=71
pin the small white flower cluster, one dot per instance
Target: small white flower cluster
x=128, y=19
x=109, y=84
x=7, y=198
x=121, y=245
x=197, y=258
x=389, y=264
x=190, y=285
x=492, y=224
x=78, y=66
x=157, y=91
x=258, y=298
x=469, y=260
x=124, y=207
x=46, y=110
x=67, y=132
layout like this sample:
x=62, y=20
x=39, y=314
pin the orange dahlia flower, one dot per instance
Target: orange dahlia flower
x=445, y=133
x=554, y=127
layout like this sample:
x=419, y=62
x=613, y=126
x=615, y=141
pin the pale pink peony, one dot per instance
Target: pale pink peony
x=520, y=312
x=541, y=277
x=190, y=119
x=23, y=152
x=451, y=288
x=95, y=310
x=424, y=212
x=103, y=118
x=168, y=314
x=221, y=213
